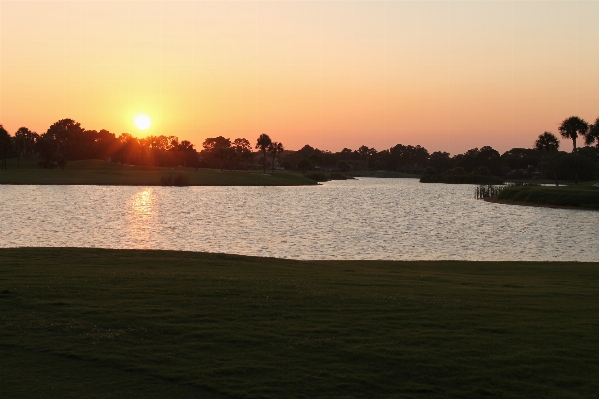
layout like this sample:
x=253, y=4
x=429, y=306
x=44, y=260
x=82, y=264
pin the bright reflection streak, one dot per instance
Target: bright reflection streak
x=141, y=215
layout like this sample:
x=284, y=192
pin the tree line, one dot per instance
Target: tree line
x=67, y=140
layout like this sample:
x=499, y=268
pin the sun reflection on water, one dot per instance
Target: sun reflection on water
x=141, y=213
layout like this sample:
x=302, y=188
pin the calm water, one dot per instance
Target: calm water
x=355, y=219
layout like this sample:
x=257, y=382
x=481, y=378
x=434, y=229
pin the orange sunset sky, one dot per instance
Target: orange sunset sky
x=448, y=75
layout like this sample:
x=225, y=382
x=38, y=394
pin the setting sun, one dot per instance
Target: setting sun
x=142, y=122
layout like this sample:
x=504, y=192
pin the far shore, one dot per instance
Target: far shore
x=97, y=172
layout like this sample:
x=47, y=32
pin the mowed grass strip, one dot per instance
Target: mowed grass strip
x=95, y=172
x=132, y=323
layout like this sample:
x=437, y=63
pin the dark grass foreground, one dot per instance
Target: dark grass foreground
x=90, y=323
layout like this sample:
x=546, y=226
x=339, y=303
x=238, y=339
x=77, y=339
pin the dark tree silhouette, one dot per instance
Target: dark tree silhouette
x=304, y=164
x=173, y=148
x=4, y=145
x=65, y=135
x=186, y=148
x=275, y=148
x=243, y=150
x=549, y=144
x=570, y=129
x=217, y=147
x=366, y=153
x=315, y=158
x=593, y=134
x=25, y=141
x=262, y=144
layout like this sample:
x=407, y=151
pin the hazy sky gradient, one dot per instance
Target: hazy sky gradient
x=449, y=75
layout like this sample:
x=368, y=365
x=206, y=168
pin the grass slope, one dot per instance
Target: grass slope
x=95, y=172
x=578, y=196
x=114, y=323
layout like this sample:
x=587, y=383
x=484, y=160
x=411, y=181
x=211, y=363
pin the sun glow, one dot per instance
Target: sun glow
x=142, y=122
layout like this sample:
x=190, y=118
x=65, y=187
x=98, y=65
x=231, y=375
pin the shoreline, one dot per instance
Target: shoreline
x=524, y=203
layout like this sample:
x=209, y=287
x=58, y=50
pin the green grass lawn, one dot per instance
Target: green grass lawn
x=582, y=195
x=92, y=323
x=95, y=172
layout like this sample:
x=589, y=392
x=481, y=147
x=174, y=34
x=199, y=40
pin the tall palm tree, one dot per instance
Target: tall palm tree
x=275, y=148
x=570, y=129
x=262, y=144
x=593, y=134
x=185, y=147
x=548, y=143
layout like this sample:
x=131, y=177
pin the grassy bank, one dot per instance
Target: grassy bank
x=96, y=172
x=576, y=196
x=102, y=323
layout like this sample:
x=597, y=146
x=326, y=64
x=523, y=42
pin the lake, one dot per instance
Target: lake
x=368, y=218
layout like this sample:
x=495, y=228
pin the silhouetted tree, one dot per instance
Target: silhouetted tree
x=243, y=150
x=314, y=160
x=548, y=144
x=570, y=129
x=275, y=148
x=186, y=148
x=440, y=161
x=593, y=134
x=4, y=145
x=304, y=164
x=218, y=147
x=366, y=153
x=262, y=144
x=65, y=136
x=24, y=142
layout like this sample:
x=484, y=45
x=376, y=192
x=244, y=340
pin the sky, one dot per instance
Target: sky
x=447, y=75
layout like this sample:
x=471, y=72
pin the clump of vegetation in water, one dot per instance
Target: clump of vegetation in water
x=488, y=191
x=492, y=191
x=180, y=179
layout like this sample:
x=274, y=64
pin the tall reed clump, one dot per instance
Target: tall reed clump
x=492, y=191
x=488, y=191
x=179, y=179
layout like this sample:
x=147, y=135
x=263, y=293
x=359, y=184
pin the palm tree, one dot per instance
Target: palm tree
x=262, y=144
x=593, y=135
x=570, y=129
x=275, y=148
x=185, y=147
x=548, y=143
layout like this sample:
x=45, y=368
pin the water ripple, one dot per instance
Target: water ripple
x=395, y=219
